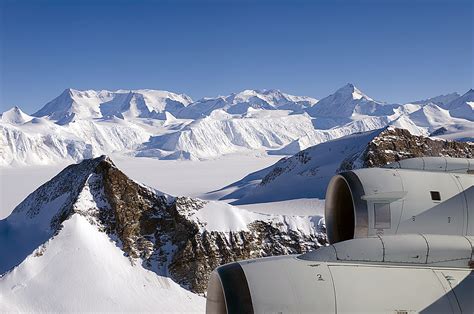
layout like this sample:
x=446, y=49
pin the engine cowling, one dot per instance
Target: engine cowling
x=420, y=195
x=414, y=271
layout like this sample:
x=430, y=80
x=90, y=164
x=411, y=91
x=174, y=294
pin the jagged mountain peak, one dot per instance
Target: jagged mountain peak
x=56, y=197
x=272, y=96
x=346, y=102
x=180, y=237
x=94, y=189
x=350, y=90
x=86, y=104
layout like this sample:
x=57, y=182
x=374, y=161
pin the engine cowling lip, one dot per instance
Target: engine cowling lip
x=360, y=205
x=236, y=289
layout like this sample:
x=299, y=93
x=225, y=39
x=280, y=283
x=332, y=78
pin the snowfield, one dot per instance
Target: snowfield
x=82, y=270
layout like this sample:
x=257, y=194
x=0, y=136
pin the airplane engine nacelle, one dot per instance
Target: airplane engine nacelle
x=383, y=274
x=418, y=195
x=401, y=242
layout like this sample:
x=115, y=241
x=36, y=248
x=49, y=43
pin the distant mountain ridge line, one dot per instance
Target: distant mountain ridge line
x=445, y=97
x=158, y=124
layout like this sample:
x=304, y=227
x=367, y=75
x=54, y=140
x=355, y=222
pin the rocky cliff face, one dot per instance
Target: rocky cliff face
x=157, y=230
x=200, y=252
x=394, y=144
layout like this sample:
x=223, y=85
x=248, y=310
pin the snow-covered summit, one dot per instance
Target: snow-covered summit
x=353, y=91
x=15, y=116
x=463, y=106
x=239, y=103
x=346, y=102
x=97, y=104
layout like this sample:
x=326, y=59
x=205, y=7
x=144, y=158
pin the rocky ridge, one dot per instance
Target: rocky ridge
x=153, y=229
x=395, y=144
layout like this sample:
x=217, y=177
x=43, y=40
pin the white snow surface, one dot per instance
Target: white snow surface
x=441, y=100
x=241, y=103
x=347, y=101
x=219, y=216
x=463, y=107
x=99, y=104
x=15, y=116
x=165, y=125
x=82, y=270
x=305, y=175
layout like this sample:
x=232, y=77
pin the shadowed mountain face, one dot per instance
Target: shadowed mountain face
x=155, y=230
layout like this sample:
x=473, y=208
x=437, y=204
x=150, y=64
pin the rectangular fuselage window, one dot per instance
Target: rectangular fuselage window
x=435, y=195
x=382, y=216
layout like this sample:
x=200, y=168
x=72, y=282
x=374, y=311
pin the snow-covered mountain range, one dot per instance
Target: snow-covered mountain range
x=165, y=125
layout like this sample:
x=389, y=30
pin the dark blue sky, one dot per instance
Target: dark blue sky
x=393, y=50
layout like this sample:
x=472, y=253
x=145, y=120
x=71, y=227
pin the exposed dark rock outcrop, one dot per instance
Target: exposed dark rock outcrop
x=395, y=144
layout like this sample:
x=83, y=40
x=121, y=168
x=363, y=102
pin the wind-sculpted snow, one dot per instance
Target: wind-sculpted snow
x=41, y=141
x=240, y=103
x=221, y=134
x=165, y=125
x=92, y=218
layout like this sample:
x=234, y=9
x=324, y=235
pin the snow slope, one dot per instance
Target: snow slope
x=41, y=141
x=441, y=100
x=307, y=173
x=347, y=102
x=82, y=270
x=303, y=175
x=463, y=107
x=15, y=116
x=220, y=134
